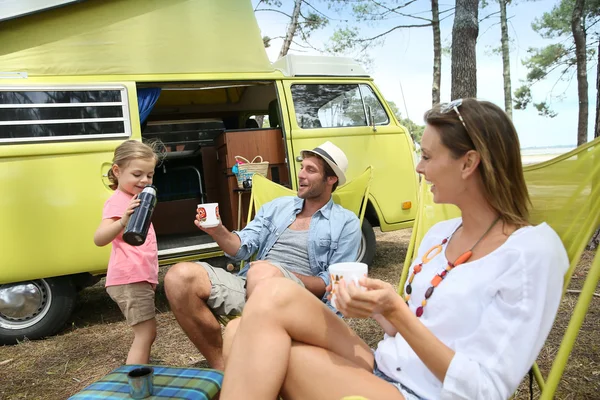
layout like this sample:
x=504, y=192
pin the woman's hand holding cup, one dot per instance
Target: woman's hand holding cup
x=344, y=272
x=355, y=302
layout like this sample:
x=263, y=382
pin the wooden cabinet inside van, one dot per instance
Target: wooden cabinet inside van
x=267, y=143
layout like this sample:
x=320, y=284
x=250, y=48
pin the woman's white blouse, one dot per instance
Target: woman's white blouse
x=494, y=312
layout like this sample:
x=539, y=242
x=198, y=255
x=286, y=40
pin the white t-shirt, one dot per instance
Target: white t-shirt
x=494, y=312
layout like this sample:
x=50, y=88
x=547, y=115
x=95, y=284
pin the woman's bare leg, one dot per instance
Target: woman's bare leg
x=315, y=373
x=279, y=312
x=228, y=336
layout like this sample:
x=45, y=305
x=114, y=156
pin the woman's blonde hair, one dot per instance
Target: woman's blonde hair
x=487, y=130
x=133, y=150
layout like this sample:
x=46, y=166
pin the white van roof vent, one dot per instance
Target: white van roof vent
x=13, y=75
x=10, y=9
x=294, y=65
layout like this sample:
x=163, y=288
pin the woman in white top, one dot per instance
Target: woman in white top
x=480, y=300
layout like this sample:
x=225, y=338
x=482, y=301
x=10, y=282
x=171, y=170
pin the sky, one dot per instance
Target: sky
x=404, y=64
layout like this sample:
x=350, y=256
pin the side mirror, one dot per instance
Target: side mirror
x=370, y=119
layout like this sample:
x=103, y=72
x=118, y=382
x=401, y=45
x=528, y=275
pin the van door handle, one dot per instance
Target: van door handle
x=106, y=166
x=104, y=173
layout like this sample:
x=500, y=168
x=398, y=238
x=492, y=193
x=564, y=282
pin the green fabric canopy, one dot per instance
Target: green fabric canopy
x=131, y=37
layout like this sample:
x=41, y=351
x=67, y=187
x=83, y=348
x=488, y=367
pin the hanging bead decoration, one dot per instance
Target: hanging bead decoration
x=439, y=277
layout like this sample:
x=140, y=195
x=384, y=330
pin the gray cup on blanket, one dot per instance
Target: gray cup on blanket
x=141, y=383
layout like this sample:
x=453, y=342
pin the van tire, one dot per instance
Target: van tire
x=366, y=251
x=55, y=308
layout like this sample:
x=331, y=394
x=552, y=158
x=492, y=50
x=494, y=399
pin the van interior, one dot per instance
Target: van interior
x=203, y=127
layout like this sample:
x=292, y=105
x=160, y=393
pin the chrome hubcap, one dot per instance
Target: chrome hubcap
x=363, y=247
x=23, y=304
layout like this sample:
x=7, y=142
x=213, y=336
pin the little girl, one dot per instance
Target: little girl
x=132, y=270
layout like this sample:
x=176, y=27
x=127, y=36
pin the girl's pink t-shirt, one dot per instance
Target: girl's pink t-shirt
x=129, y=264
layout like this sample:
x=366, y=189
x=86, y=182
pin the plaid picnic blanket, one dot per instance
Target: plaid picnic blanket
x=169, y=383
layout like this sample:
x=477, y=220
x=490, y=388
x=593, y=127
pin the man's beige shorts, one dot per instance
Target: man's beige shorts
x=228, y=291
x=136, y=301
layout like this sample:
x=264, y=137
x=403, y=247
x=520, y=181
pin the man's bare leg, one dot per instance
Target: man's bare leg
x=188, y=287
x=260, y=270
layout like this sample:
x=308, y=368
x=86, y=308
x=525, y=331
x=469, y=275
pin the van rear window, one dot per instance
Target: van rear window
x=38, y=115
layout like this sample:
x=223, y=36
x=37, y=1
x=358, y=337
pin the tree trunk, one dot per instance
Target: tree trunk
x=505, y=59
x=596, y=131
x=437, y=53
x=582, y=84
x=291, y=32
x=464, y=42
x=595, y=241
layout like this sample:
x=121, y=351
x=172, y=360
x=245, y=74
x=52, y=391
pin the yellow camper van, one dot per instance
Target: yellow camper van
x=77, y=80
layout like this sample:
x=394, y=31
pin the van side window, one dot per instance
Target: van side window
x=335, y=105
x=37, y=115
x=377, y=110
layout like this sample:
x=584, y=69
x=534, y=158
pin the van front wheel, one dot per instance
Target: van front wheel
x=366, y=252
x=35, y=309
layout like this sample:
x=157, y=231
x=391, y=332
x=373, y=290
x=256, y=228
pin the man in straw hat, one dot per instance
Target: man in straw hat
x=293, y=237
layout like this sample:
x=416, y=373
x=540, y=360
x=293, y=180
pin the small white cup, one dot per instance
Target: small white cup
x=208, y=214
x=349, y=272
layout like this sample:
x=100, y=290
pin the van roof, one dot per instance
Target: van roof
x=132, y=37
x=295, y=65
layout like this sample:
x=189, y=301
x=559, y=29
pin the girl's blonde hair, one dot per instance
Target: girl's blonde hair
x=133, y=150
x=487, y=129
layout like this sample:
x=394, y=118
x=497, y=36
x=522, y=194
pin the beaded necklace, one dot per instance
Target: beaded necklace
x=439, y=277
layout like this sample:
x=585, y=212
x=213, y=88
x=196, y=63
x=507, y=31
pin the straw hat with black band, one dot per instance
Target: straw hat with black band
x=334, y=157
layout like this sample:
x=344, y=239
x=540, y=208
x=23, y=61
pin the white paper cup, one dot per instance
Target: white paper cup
x=349, y=272
x=208, y=214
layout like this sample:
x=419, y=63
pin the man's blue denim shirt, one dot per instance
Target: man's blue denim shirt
x=334, y=234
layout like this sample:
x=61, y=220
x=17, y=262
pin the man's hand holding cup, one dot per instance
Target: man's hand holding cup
x=207, y=217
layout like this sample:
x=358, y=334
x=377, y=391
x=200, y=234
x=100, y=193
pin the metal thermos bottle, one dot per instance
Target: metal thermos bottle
x=139, y=222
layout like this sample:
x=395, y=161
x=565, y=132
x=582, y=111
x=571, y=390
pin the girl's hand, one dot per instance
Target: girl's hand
x=133, y=204
x=379, y=298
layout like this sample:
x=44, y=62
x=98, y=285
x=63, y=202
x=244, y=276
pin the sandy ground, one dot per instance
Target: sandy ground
x=96, y=340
